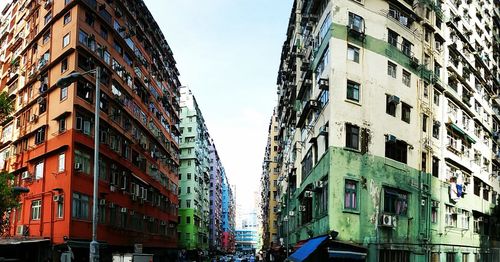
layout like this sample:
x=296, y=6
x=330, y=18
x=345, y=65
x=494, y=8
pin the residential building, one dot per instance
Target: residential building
x=246, y=236
x=216, y=174
x=47, y=143
x=269, y=190
x=194, y=176
x=402, y=161
x=228, y=216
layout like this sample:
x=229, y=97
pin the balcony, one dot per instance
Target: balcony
x=308, y=106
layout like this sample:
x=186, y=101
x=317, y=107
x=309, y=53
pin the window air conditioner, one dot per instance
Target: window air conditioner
x=78, y=166
x=123, y=210
x=111, y=205
x=394, y=99
x=57, y=198
x=302, y=208
x=388, y=220
x=25, y=175
x=33, y=118
x=102, y=202
x=308, y=194
x=391, y=138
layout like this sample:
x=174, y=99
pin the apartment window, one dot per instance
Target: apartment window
x=465, y=219
x=47, y=18
x=353, y=91
x=189, y=190
x=188, y=203
x=351, y=195
x=102, y=214
x=188, y=220
x=391, y=104
x=82, y=162
x=450, y=219
x=406, y=48
x=40, y=135
x=39, y=170
x=406, y=78
x=189, y=176
x=424, y=122
x=89, y=19
x=396, y=150
x=60, y=209
x=391, y=255
x=435, y=129
x=405, y=112
x=465, y=257
x=46, y=37
x=356, y=22
x=67, y=18
x=104, y=32
x=352, y=136
x=435, y=166
x=80, y=208
x=66, y=40
x=450, y=257
x=436, y=97
x=62, y=124
x=117, y=47
x=392, y=38
x=107, y=57
x=322, y=199
x=395, y=201
x=391, y=69
x=434, y=212
x=64, y=67
x=36, y=209
x=61, y=162
x=353, y=53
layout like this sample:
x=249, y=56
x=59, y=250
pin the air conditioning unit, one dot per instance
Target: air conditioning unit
x=163, y=223
x=308, y=193
x=314, y=103
x=391, y=138
x=318, y=184
x=435, y=204
x=21, y=230
x=102, y=202
x=323, y=84
x=33, y=118
x=78, y=166
x=414, y=62
x=47, y=4
x=134, y=197
x=291, y=213
x=394, y=99
x=57, y=198
x=111, y=205
x=464, y=189
x=145, y=217
x=151, y=219
x=123, y=210
x=302, y=208
x=388, y=220
x=25, y=175
x=480, y=219
x=112, y=188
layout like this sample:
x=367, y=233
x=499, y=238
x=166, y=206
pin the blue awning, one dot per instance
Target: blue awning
x=307, y=249
x=346, y=254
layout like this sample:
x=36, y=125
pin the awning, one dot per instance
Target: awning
x=462, y=133
x=17, y=241
x=346, y=254
x=307, y=249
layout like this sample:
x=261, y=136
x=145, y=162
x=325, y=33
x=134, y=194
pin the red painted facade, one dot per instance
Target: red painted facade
x=139, y=124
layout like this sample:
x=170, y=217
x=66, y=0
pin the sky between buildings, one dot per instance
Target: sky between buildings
x=228, y=53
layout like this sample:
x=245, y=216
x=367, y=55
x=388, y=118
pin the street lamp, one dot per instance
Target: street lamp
x=65, y=82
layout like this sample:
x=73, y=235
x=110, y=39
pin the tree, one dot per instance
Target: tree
x=8, y=198
x=6, y=105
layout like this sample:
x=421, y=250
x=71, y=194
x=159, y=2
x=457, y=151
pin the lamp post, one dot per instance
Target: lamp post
x=64, y=82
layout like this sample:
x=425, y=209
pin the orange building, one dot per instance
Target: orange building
x=48, y=141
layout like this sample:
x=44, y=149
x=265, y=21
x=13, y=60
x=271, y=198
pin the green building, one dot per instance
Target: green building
x=389, y=130
x=194, y=177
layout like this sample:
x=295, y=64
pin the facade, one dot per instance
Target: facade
x=269, y=193
x=47, y=143
x=216, y=174
x=194, y=176
x=246, y=233
x=404, y=161
x=228, y=216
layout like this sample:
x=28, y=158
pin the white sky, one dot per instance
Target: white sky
x=228, y=53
